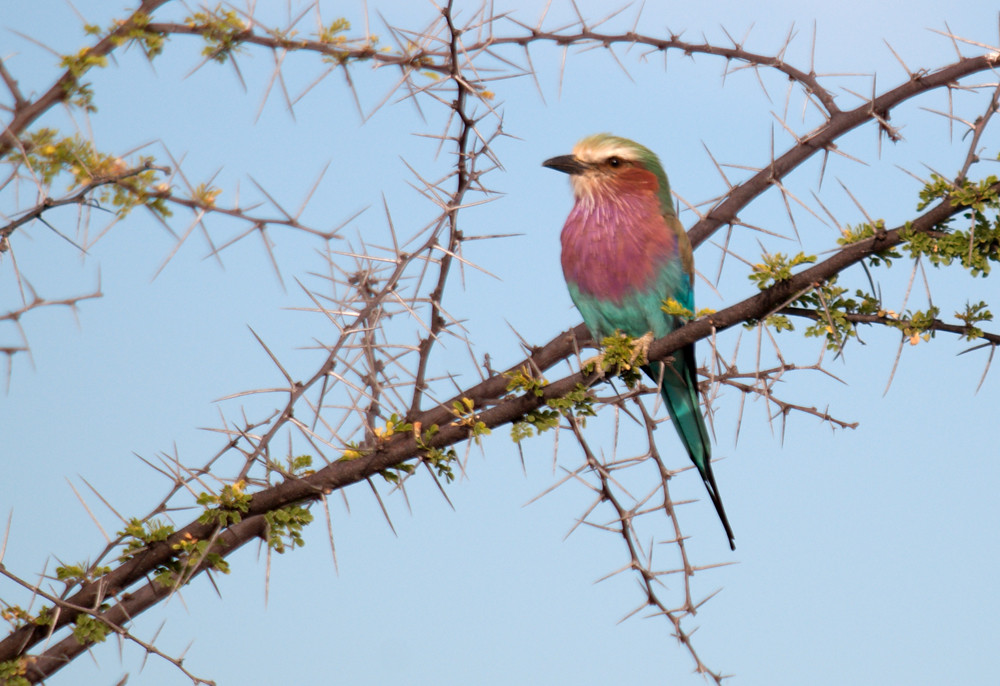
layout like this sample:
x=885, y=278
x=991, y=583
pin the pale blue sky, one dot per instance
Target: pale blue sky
x=863, y=556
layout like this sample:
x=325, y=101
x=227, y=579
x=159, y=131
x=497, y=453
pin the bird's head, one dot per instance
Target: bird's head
x=606, y=166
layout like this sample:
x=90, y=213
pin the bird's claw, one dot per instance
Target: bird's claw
x=640, y=348
x=596, y=362
x=639, y=354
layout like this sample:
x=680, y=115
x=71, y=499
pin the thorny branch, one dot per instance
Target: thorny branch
x=935, y=324
x=370, y=371
x=28, y=112
x=402, y=448
x=79, y=197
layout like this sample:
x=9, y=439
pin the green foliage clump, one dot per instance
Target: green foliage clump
x=395, y=473
x=226, y=507
x=122, y=186
x=537, y=421
x=139, y=534
x=332, y=33
x=577, y=402
x=829, y=301
x=80, y=573
x=465, y=415
x=12, y=672
x=854, y=234
x=134, y=30
x=222, y=29
x=76, y=92
x=294, y=467
x=82, y=62
x=974, y=248
x=974, y=314
x=191, y=552
x=917, y=324
x=284, y=527
x=523, y=381
x=777, y=267
x=673, y=307
x=342, y=48
x=17, y=617
x=90, y=629
x=440, y=459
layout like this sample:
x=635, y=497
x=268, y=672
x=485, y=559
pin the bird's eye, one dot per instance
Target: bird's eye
x=614, y=162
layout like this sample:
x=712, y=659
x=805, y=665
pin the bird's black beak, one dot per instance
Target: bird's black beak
x=568, y=164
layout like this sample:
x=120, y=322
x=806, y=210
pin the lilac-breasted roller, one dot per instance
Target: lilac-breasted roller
x=624, y=252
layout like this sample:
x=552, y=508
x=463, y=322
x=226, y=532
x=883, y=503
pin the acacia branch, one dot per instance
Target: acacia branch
x=623, y=525
x=81, y=196
x=823, y=137
x=28, y=112
x=501, y=408
x=128, y=584
x=964, y=330
x=462, y=181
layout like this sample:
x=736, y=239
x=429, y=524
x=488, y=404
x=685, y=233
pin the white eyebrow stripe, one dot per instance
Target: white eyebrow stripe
x=599, y=153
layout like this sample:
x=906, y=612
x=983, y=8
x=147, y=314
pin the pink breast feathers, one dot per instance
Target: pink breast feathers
x=616, y=243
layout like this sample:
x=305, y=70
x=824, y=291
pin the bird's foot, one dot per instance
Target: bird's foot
x=618, y=356
x=594, y=364
x=640, y=348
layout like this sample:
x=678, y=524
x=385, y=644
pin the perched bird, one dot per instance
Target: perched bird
x=624, y=252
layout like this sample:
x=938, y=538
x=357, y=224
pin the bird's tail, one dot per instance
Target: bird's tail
x=679, y=388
